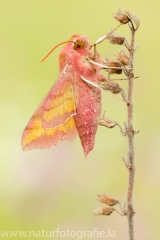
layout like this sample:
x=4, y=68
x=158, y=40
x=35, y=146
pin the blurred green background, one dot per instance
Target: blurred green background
x=57, y=187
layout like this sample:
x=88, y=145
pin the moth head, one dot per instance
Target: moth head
x=80, y=42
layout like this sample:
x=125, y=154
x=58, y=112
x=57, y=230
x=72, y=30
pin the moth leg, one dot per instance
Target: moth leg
x=65, y=69
x=104, y=87
x=109, y=77
x=88, y=58
x=95, y=53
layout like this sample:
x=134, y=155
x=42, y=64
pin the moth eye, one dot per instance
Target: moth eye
x=79, y=45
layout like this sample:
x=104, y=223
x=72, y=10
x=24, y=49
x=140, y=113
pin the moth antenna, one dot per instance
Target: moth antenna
x=53, y=50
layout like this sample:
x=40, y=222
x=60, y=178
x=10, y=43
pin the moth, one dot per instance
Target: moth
x=72, y=105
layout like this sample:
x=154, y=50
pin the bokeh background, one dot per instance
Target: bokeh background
x=57, y=187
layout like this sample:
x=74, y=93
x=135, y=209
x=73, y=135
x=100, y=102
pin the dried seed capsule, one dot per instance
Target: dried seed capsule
x=116, y=67
x=111, y=86
x=121, y=17
x=134, y=18
x=105, y=198
x=103, y=211
x=103, y=121
x=115, y=39
x=123, y=58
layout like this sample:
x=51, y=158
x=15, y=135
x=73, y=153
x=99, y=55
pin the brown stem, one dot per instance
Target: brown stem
x=121, y=79
x=130, y=133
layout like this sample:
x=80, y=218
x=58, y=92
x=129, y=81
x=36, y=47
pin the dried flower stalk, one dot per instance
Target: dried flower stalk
x=122, y=59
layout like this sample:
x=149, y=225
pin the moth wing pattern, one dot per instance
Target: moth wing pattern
x=54, y=118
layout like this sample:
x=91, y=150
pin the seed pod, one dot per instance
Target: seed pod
x=115, y=39
x=111, y=86
x=121, y=17
x=134, y=18
x=123, y=58
x=105, y=198
x=103, y=121
x=103, y=211
x=116, y=67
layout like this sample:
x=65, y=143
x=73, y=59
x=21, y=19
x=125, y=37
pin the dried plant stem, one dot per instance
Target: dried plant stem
x=125, y=60
x=130, y=134
x=121, y=79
